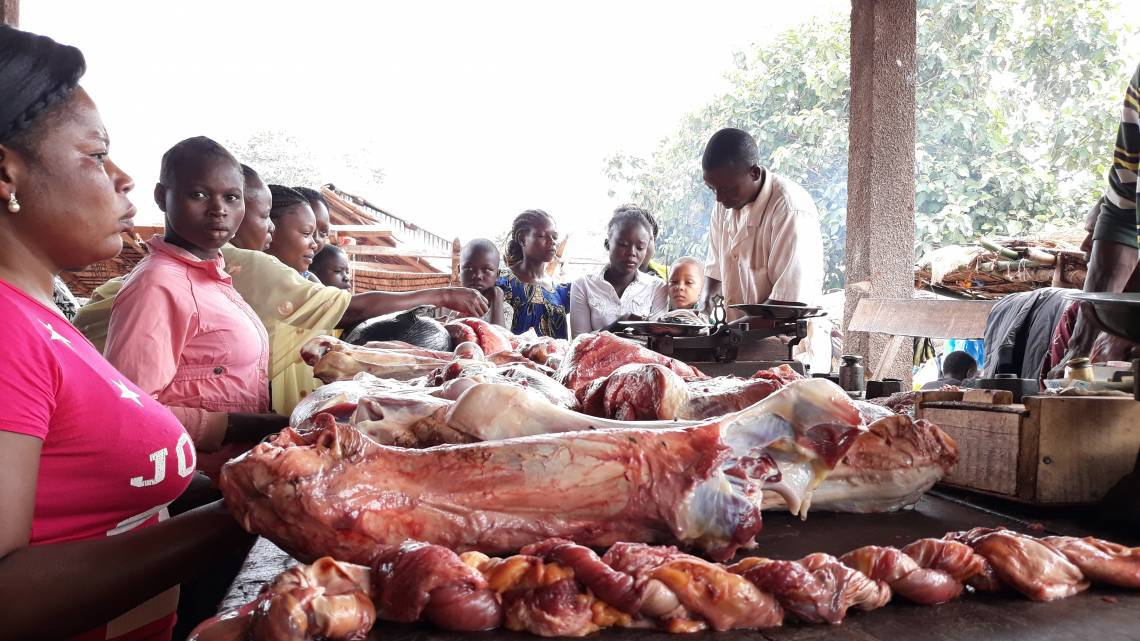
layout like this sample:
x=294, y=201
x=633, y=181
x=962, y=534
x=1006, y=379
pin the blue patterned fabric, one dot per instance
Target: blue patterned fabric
x=535, y=306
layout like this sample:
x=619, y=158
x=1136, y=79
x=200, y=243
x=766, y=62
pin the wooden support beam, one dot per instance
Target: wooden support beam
x=10, y=12
x=456, y=248
x=880, y=192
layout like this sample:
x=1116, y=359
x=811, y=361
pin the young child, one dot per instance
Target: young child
x=478, y=269
x=178, y=329
x=330, y=265
x=686, y=277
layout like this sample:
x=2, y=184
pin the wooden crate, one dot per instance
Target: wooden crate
x=1049, y=451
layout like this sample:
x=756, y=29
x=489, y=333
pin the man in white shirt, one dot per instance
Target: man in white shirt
x=765, y=244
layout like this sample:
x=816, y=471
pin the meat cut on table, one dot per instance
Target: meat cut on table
x=596, y=356
x=651, y=391
x=558, y=588
x=340, y=493
x=889, y=468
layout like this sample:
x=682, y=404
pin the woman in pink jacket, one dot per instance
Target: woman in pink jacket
x=178, y=328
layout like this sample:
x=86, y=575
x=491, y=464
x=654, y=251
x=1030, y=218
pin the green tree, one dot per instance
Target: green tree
x=1016, y=112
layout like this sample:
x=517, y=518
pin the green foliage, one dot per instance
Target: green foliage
x=1017, y=108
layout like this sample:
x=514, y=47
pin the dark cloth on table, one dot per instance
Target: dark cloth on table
x=1019, y=330
x=200, y=597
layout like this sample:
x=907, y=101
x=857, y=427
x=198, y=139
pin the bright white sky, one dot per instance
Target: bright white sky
x=475, y=111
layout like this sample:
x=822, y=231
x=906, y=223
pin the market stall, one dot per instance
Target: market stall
x=481, y=452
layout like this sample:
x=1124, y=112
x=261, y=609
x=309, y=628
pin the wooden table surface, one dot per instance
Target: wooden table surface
x=1096, y=615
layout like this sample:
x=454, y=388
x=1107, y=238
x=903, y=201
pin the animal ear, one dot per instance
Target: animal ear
x=606, y=244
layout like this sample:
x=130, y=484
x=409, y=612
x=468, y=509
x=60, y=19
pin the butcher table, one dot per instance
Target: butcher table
x=1096, y=615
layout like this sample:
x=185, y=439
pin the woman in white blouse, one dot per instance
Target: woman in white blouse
x=620, y=290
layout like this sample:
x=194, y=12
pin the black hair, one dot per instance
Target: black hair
x=193, y=149
x=478, y=245
x=249, y=173
x=37, y=76
x=522, y=224
x=958, y=364
x=632, y=213
x=730, y=148
x=312, y=195
x=327, y=252
x=284, y=198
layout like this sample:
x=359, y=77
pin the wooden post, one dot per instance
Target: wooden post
x=455, y=249
x=880, y=192
x=10, y=12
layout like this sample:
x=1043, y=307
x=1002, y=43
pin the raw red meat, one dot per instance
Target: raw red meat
x=650, y=392
x=594, y=356
x=492, y=338
x=1028, y=565
x=1100, y=561
x=347, y=496
x=558, y=588
x=889, y=467
x=817, y=588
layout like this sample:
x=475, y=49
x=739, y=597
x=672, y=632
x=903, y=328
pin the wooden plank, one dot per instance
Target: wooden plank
x=991, y=396
x=370, y=230
x=456, y=250
x=1029, y=447
x=921, y=317
x=1087, y=444
x=382, y=250
x=888, y=356
x=988, y=444
x=934, y=396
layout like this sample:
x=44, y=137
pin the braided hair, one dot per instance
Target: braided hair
x=521, y=226
x=312, y=195
x=37, y=76
x=284, y=198
x=632, y=213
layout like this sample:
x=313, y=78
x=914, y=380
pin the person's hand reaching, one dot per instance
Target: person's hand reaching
x=466, y=301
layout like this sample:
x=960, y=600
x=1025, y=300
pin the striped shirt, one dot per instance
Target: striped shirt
x=1119, y=220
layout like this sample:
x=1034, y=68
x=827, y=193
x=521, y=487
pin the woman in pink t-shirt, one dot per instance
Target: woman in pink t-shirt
x=178, y=327
x=88, y=461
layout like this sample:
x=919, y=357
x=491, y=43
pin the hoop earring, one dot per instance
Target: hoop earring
x=13, y=204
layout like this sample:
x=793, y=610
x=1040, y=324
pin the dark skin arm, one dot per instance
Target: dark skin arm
x=467, y=302
x=713, y=288
x=495, y=298
x=251, y=428
x=59, y=590
x=1111, y=269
